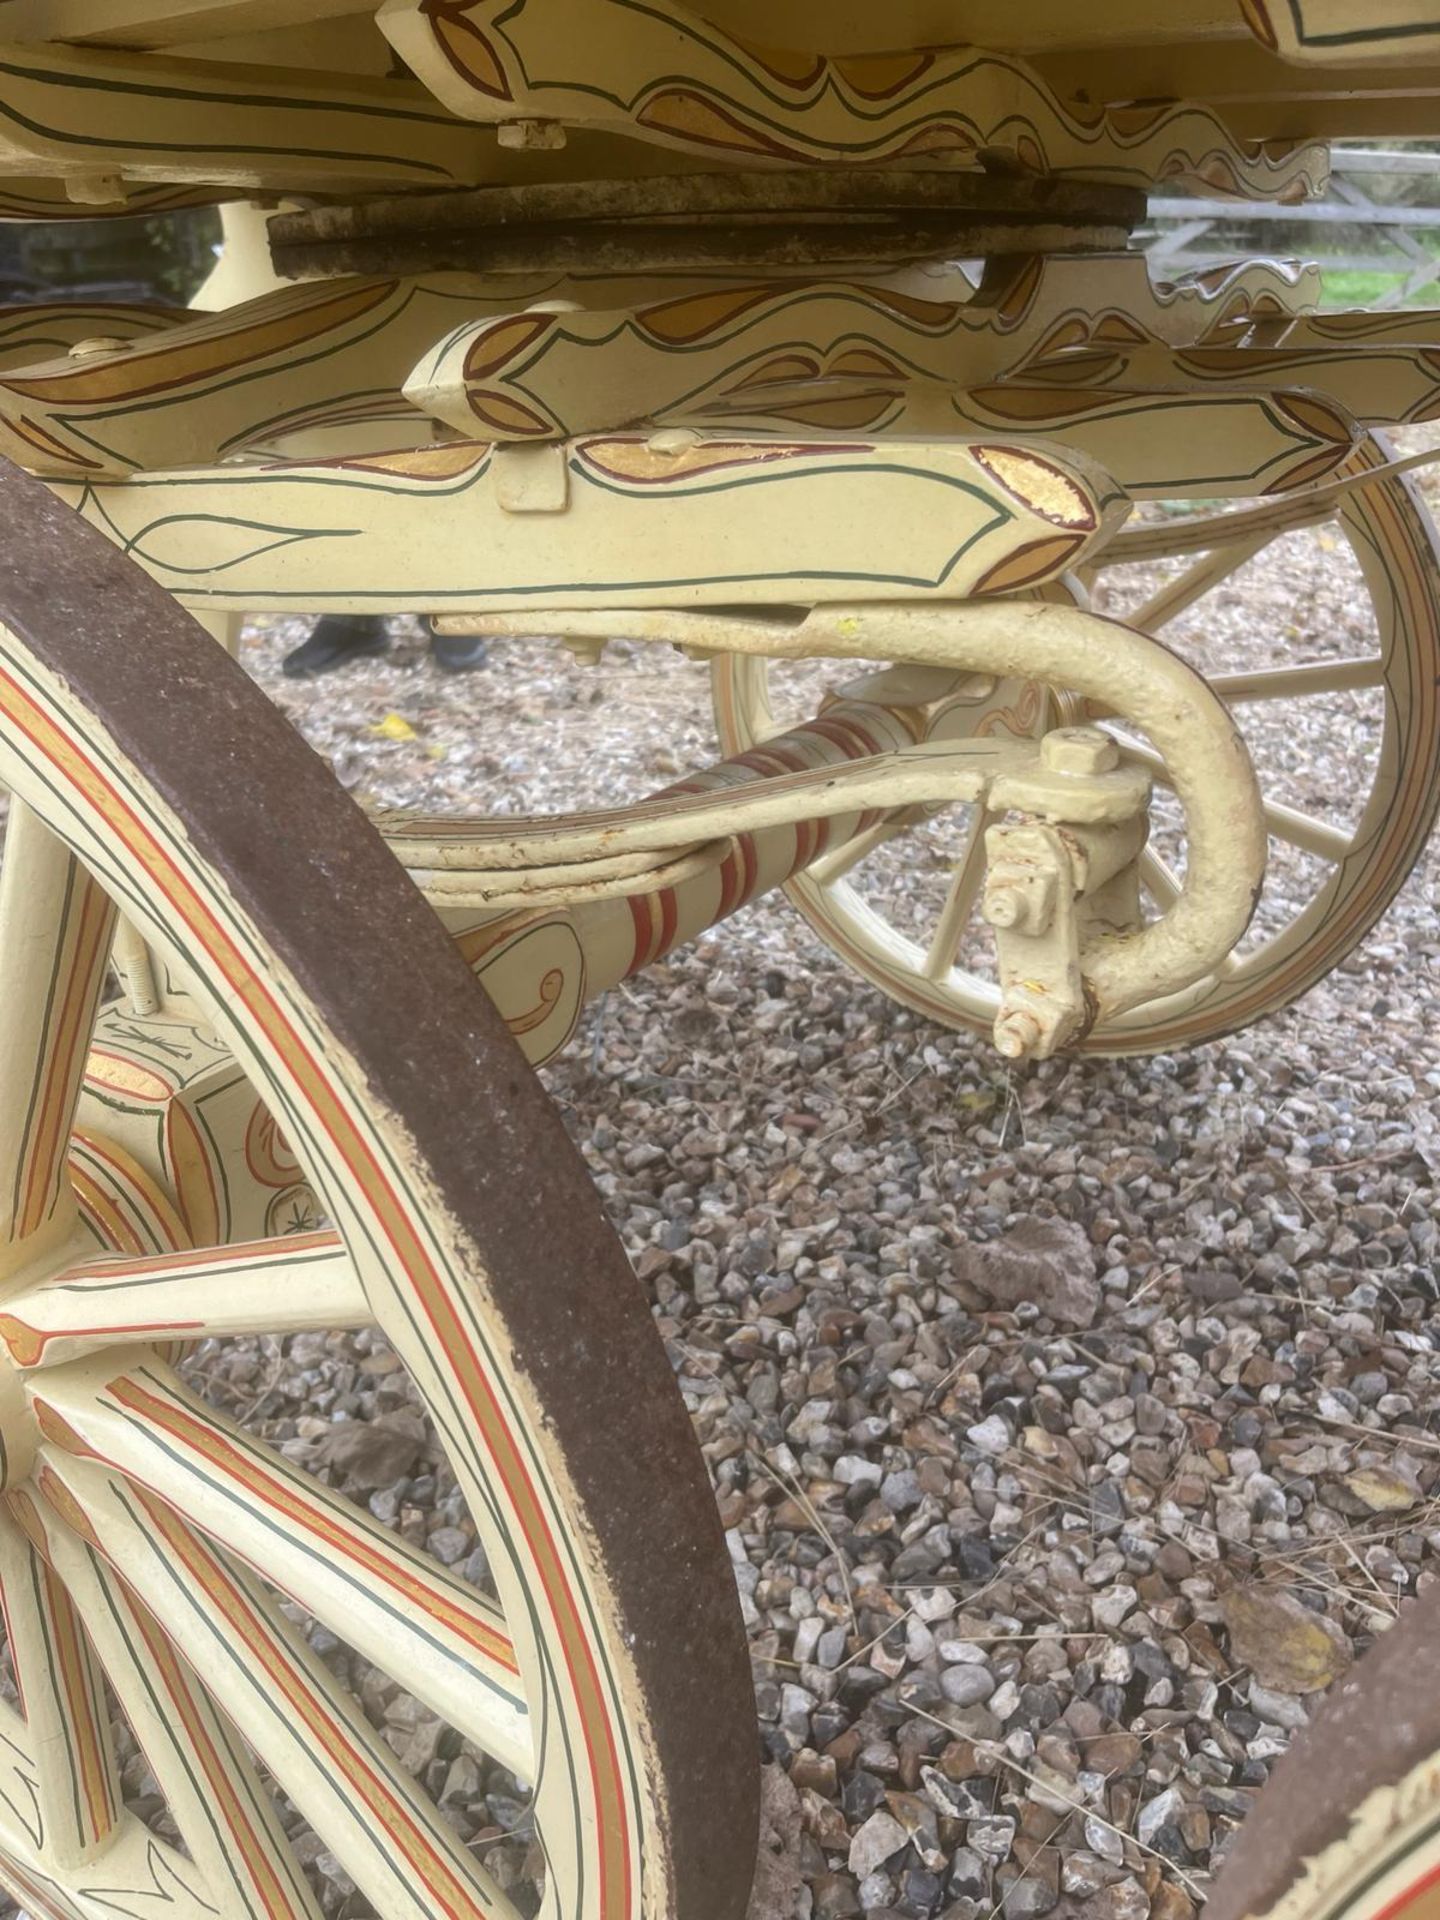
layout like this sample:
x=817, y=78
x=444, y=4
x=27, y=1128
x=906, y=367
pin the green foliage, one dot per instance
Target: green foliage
x=162, y=256
x=1346, y=287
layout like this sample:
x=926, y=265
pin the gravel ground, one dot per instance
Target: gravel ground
x=1073, y=1427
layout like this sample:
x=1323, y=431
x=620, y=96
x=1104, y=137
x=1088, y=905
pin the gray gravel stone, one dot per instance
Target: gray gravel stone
x=802, y=1173
x=967, y=1686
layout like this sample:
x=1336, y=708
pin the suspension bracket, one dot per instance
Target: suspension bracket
x=1050, y=881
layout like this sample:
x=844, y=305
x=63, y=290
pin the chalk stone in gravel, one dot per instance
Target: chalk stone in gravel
x=1104, y=1840
x=1286, y=1646
x=1050, y=1263
x=991, y=1436
x=1383, y=1489
x=879, y=1840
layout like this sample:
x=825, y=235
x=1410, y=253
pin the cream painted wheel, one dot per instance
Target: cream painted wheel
x=1348, y=1825
x=147, y=1538
x=1337, y=857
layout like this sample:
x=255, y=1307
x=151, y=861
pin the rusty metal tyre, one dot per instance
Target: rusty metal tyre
x=146, y=1537
x=1348, y=1825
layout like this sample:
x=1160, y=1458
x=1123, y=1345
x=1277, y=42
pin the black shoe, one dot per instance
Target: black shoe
x=458, y=652
x=335, y=639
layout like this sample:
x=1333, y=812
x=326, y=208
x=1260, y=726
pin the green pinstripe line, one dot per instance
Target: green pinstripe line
x=433, y=169
x=37, y=1831
x=341, y=1712
x=769, y=475
x=451, y=1415
x=108, y=82
x=1151, y=406
x=183, y=1459
x=286, y=537
x=310, y=1257
x=788, y=134
x=1357, y=36
x=135, y=1213
x=23, y=1759
x=42, y=1612
x=828, y=81
x=64, y=932
x=242, y=1779
x=226, y=379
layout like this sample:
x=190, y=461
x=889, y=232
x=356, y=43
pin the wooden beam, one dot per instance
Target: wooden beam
x=142, y=24
x=855, y=26
x=1257, y=95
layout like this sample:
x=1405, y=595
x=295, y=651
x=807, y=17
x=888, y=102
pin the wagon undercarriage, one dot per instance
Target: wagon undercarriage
x=817, y=347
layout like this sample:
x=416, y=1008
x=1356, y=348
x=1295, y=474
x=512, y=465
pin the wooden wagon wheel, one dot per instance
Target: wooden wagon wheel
x=1348, y=1825
x=145, y=1537
x=933, y=958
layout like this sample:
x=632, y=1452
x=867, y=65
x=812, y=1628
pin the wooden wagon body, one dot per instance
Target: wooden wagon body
x=806, y=337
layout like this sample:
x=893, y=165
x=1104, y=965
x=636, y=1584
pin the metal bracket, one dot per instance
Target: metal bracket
x=1046, y=886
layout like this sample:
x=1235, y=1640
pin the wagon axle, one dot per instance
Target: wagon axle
x=806, y=337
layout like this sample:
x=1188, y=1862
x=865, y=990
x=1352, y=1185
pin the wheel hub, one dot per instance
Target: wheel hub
x=19, y=1429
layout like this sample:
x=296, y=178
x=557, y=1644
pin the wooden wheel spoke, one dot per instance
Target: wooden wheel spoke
x=305, y=1282
x=1289, y=824
x=76, y=1790
x=1147, y=757
x=960, y=898
x=1199, y=532
x=20, y=1823
x=211, y=1790
x=1171, y=600
x=1358, y=847
x=139, y=1874
x=1159, y=879
x=846, y=857
x=55, y=928
x=436, y=1153
x=1294, y=683
x=302, y=1725
x=1303, y=830
x=444, y=1642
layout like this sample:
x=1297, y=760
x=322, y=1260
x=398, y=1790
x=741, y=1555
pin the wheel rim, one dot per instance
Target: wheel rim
x=1356, y=869
x=460, y=1223
x=1348, y=1825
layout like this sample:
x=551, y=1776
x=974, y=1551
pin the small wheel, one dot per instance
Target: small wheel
x=149, y=1539
x=1346, y=745
x=1348, y=1825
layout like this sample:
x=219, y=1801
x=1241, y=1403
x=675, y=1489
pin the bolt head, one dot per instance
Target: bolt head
x=1078, y=750
x=98, y=343
x=673, y=440
x=530, y=135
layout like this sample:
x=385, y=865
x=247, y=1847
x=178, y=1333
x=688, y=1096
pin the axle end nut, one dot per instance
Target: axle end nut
x=1004, y=907
x=1017, y=1034
x=1019, y=901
